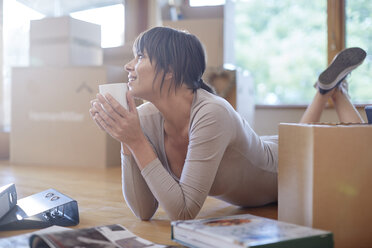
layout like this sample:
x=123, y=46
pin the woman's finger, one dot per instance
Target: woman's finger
x=96, y=107
x=107, y=128
x=101, y=122
x=92, y=102
x=116, y=105
x=98, y=124
x=105, y=116
x=108, y=107
x=93, y=112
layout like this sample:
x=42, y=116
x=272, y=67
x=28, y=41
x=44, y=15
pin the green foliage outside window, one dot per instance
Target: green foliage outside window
x=359, y=33
x=284, y=46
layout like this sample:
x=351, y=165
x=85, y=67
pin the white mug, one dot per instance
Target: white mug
x=117, y=90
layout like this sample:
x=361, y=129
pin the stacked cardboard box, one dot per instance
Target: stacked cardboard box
x=212, y=40
x=64, y=41
x=50, y=122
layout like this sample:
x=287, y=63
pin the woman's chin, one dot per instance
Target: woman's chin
x=133, y=91
x=131, y=88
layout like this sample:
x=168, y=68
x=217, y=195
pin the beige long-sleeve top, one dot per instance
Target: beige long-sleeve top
x=226, y=159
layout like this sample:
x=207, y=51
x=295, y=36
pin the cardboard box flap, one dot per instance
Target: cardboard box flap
x=326, y=124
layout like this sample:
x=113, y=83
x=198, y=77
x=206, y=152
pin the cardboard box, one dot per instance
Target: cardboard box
x=63, y=41
x=223, y=81
x=118, y=56
x=236, y=86
x=50, y=120
x=210, y=33
x=325, y=180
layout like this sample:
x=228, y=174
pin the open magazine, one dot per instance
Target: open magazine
x=110, y=236
x=22, y=241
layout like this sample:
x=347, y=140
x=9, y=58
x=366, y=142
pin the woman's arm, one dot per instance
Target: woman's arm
x=135, y=190
x=209, y=136
x=124, y=126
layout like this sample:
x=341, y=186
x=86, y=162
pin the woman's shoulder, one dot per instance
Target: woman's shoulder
x=212, y=114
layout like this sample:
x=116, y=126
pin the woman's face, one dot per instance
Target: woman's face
x=141, y=76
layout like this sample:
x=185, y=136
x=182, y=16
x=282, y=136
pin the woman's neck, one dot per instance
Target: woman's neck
x=175, y=108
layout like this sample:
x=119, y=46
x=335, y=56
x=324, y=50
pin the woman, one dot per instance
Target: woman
x=186, y=143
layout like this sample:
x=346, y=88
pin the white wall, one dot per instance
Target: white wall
x=267, y=119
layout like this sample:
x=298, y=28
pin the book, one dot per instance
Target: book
x=109, y=236
x=247, y=231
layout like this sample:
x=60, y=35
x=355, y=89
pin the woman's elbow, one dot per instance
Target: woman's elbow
x=144, y=217
x=142, y=211
x=183, y=215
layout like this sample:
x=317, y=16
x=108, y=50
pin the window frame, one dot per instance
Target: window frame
x=336, y=22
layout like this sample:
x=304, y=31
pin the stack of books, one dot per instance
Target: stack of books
x=248, y=231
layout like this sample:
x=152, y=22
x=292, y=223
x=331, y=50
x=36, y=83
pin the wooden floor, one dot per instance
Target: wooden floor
x=100, y=200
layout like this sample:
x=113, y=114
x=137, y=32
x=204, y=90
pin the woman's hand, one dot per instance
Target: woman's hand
x=123, y=125
x=93, y=112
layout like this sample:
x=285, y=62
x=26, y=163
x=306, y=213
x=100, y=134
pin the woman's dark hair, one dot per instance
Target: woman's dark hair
x=174, y=51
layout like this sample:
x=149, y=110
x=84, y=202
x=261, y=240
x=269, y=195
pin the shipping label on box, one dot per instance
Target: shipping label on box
x=325, y=179
x=51, y=124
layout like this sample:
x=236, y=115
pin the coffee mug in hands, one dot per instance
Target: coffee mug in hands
x=117, y=90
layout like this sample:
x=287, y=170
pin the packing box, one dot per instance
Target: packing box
x=63, y=41
x=50, y=120
x=210, y=32
x=325, y=179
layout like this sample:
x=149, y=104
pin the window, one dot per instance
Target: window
x=111, y=19
x=283, y=44
x=15, y=52
x=359, y=33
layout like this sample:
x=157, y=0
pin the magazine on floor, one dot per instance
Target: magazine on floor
x=247, y=231
x=109, y=236
x=23, y=240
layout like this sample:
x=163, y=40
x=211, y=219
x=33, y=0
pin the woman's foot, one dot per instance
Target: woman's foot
x=343, y=63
